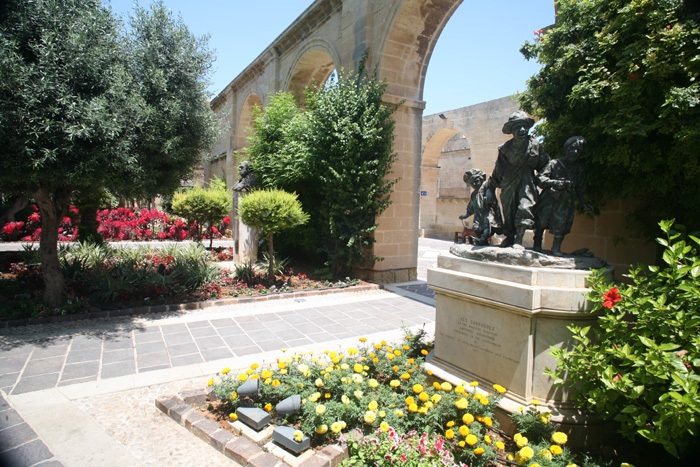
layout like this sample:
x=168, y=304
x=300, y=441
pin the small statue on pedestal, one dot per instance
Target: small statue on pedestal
x=248, y=180
x=487, y=214
x=562, y=183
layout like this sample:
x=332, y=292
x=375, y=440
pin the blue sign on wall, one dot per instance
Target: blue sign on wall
x=424, y=193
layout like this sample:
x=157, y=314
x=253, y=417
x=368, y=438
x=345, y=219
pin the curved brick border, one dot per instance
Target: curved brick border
x=187, y=306
x=239, y=448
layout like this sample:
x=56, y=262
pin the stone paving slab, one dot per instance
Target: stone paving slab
x=36, y=360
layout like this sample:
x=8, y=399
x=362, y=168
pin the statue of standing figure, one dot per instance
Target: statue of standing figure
x=562, y=183
x=515, y=173
x=248, y=180
x=487, y=214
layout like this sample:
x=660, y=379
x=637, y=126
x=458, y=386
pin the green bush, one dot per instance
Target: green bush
x=271, y=211
x=337, y=156
x=641, y=365
x=206, y=206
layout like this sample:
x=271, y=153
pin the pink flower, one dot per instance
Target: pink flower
x=161, y=235
x=227, y=220
x=215, y=230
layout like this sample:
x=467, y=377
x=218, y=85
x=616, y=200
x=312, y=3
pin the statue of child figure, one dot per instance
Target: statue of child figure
x=487, y=214
x=562, y=183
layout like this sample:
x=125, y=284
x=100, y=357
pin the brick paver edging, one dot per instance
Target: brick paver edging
x=239, y=448
x=186, y=306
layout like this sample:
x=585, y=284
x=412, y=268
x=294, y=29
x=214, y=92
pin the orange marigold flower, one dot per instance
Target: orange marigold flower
x=478, y=451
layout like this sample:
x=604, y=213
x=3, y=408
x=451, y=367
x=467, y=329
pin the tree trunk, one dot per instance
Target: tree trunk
x=271, y=257
x=53, y=207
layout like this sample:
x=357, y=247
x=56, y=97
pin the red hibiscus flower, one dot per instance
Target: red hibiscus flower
x=611, y=297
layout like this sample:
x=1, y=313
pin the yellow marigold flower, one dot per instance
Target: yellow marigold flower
x=524, y=455
x=372, y=405
x=487, y=421
x=378, y=346
x=510, y=457
x=473, y=384
x=336, y=427
x=275, y=383
x=411, y=361
x=471, y=439
x=423, y=396
x=544, y=417
x=335, y=360
x=382, y=414
x=499, y=389
x=255, y=377
x=461, y=403
x=520, y=408
x=468, y=418
x=410, y=370
x=395, y=368
x=522, y=442
x=373, y=383
x=517, y=436
x=413, y=408
x=225, y=370
x=535, y=403
x=428, y=405
x=447, y=387
x=449, y=434
x=478, y=451
x=233, y=417
x=535, y=465
x=283, y=371
x=318, y=382
x=352, y=351
x=344, y=399
x=375, y=360
x=254, y=366
x=249, y=372
x=384, y=426
x=424, y=352
x=394, y=383
x=410, y=400
x=436, y=398
x=266, y=374
x=234, y=396
x=211, y=382
x=281, y=365
x=487, y=439
x=405, y=376
x=459, y=389
x=363, y=339
x=555, y=449
x=422, y=409
x=268, y=407
x=390, y=356
x=284, y=349
x=430, y=373
x=397, y=353
x=545, y=453
x=314, y=397
x=321, y=429
x=298, y=436
x=559, y=437
x=624, y=464
x=370, y=417
x=405, y=347
x=500, y=445
x=417, y=388
x=372, y=354
x=358, y=394
x=462, y=444
x=399, y=413
x=242, y=377
x=320, y=409
x=450, y=424
x=464, y=430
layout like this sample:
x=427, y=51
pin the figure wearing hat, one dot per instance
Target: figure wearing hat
x=519, y=159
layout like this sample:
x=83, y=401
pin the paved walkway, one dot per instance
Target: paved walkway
x=81, y=393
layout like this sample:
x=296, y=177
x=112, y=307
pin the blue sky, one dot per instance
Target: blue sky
x=476, y=58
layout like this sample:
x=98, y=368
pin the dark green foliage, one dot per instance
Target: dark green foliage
x=641, y=365
x=624, y=74
x=337, y=156
x=84, y=105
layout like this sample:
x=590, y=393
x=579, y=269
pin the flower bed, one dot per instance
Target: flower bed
x=408, y=417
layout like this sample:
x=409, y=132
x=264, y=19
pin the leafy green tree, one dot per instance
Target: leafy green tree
x=206, y=206
x=624, y=74
x=271, y=211
x=641, y=365
x=337, y=155
x=83, y=104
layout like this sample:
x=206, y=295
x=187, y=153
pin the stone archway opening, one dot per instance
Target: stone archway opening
x=313, y=69
x=245, y=121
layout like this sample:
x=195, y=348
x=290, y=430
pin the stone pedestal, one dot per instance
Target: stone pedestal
x=247, y=243
x=495, y=324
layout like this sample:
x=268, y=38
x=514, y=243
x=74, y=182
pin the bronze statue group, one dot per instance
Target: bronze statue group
x=537, y=192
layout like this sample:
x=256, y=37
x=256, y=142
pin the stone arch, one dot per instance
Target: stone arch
x=314, y=63
x=245, y=118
